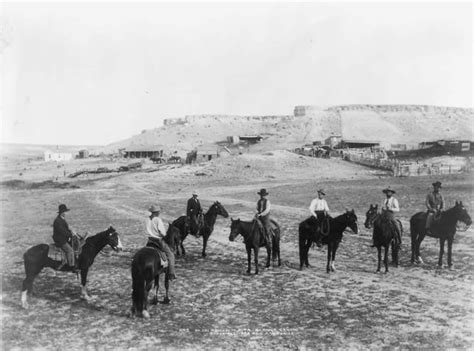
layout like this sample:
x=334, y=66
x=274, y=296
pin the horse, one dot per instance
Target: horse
x=206, y=231
x=337, y=226
x=36, y=258
x=383, y=236
x=444, y=229
x=254, y=239
x=146, y=268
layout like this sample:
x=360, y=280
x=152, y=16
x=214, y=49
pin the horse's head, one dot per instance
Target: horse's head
x=461, y=213
x=234, y=229
x=172, y=236
x=220, y=210
x=370, y=216
x=351, y=220
x=113, y=239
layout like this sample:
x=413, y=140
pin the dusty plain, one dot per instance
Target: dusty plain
x=215, y=304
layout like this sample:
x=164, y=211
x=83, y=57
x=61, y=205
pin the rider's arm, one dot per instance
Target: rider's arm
x=267, y=210
x=428, y=203
x=161, y=227
x=395, y=207
x=326, y=207
x=441, y=205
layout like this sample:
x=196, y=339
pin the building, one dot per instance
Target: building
x=143, y=151
x=358, y=144
x=333, y=140
x=204, y=154
x=83, y=154
x=57, y=156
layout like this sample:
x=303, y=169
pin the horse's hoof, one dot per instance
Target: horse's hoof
x=86, y=297
x=145, y=314
x=166, y=300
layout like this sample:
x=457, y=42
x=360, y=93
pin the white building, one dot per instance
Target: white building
x=57, y=156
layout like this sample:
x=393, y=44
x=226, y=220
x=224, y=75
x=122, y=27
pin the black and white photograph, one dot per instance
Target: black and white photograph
x=236, y=175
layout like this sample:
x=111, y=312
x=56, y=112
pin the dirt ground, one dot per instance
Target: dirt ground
x=215, y=304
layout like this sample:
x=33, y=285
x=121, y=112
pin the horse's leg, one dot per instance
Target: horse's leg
x=249, y=258
x=333, y=256
x=379, y=257
x=154, y=301
x=167, y=300
x=385, y=257
x=302, y=249
x=328, y=269
x=450, y=247
x=84, y=294
x=269, y=253
x=306, y=254
x=395, y=248
x=441, y=252
x=148, y=285
x=255, y=252
x=418, y=245
x=413, y=245
x=205, y=237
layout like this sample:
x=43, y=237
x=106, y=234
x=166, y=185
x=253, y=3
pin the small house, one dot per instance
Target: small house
x=57, y=156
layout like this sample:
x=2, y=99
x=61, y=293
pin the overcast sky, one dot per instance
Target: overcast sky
x=92, y=73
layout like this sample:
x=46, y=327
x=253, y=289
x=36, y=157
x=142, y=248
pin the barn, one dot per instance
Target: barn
x=143, y=151
x=206, y=153
x=57, y=156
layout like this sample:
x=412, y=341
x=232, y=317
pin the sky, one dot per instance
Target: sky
x=95, y=73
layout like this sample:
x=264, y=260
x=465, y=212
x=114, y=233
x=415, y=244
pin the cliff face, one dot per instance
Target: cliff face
x=387, y=123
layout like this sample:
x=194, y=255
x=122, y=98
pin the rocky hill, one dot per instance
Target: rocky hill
x=385, y=123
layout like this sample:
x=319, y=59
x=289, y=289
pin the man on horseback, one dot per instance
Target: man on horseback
x=263, y=214
x=434, y=203
x=194, y=214
x=155, y=229
x=389, y=208
x=63, y=236
x=320, y=211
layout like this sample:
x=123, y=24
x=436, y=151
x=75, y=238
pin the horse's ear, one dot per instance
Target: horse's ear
x=231, y=219
x=456, y=203
x=376, y=206
x=347, y=210
x=352, y=211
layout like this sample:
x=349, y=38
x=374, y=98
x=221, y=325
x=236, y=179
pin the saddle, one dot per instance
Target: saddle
x=157, y=246
x=57, y=254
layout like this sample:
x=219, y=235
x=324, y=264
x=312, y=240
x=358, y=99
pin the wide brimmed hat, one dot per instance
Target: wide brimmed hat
x=262, y=192
x=386, y=190
x=62, y=208
x=194, y=192
x=321, y=191
x=437, y=184
x=154, y=208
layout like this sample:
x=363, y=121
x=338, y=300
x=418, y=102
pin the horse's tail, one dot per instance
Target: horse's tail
x=139, y=279
x=302, y=242
x=275, y=241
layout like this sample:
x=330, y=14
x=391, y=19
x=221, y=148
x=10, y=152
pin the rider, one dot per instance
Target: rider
x=434, y=203
x=389, y=208
x=156, y=232
x=263, y=213
x=62, y=236
x=319, y=210
x=194, y=213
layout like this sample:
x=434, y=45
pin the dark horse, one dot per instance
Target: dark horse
x=443, y=229
x=383, y=236
x=254, y=239
x=337, y=225
x=146, y=269
x=36, y=258
x=206, y=231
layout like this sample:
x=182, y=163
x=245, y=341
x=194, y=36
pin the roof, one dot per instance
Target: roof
x=144, y=148
x=357, y=141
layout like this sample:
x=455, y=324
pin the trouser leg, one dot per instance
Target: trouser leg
x=69, y=254
x=429, y=220
x=170, y=256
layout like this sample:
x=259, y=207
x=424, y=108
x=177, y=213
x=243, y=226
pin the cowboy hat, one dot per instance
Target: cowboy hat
x=388, y=190
x=437, y=184
x=262, y=192
x=321, y=191
x=154, y=208
x=194, y=192
x=62, y=208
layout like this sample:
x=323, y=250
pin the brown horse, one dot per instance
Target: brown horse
x=36, y=258
x=209, y=220
x=146, y=269
x=443, y=229
x=254, y=239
